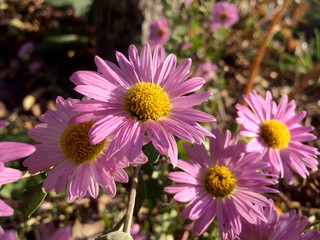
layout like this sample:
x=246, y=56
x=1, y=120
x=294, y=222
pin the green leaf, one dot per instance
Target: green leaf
x=182, y=154
x=117, y=235
x=155, y=191
x=151, y=153
x=141, y=193
x=33, y=199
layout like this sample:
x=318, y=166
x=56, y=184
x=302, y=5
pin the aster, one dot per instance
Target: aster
x=159, y=32
x=225, y=185
x=26, y=49
x=207, y=70
x=7, y=234
x=144, y=95
x=50, y=232
x=10, y=151
x=224, y=14
x=65, y=151
x=277, y=135
x=287, y=226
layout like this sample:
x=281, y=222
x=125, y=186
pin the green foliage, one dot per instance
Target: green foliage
x=81, y=6
x=33, y=197
x=117, y=235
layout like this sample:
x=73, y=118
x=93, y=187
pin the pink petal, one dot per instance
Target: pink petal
x=106, y=126
x=157, y=61
x=5, y=210
x=146, y=63
x=110, y=72
x=8, y=175
x=79, y=182
x=57, y=177
x=163, y=72
x=191, y=85
x=182, y=177
x=127, y=69
x=12, y=150
x=190, y=100
x=134, y=60
x=92, y=79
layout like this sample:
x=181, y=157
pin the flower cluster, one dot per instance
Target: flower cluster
x=86, y=144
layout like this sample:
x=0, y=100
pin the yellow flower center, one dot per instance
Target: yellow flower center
x=76, y=146
x=224, y=16
x=147, y=101
x=219, y=181
x=275, y=134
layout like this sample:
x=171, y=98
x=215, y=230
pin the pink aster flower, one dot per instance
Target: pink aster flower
x=144, y=95
x=225, y=185
x=207, y=70
x=34, y=66
x=287, y=226
x=10, y=151
x=137, y=234
x=76, y=163
x=225, y=14
x=159, y=32
x=26, y=49
x=50, y=232
x=277, y=134
x=7, y=234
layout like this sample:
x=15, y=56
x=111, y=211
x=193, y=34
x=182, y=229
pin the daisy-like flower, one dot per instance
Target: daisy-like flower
x=7, y=234
x=224, y=185
x=207, y=70
x=159, y=32
x=50, y=232
x=76, y=163
x=144, y=95
x=277, y=134
x=10, y=151
x=224, y=14
x=34, y=66
x=26, y=49
x=287, y=226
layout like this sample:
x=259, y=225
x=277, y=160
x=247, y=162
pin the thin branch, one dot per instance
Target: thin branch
x=304, y=80
x=132, y=200
x=257, y=61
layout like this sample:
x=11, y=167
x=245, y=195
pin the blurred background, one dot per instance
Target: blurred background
x=42, y=42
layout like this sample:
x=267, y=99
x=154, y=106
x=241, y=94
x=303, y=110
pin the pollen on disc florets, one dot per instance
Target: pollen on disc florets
x=224, y=16
x=275, y=134
x=146, y=101
x=75, y=143
x=219, y=181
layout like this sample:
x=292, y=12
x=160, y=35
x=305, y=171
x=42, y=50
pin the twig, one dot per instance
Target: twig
x=131, y=203
x=304, y=80
x=262, y=49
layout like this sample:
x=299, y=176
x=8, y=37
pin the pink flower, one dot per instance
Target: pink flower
x=159, y=32
x=207, y=70
x=185, y=46
x=26, y=49
x=287, y=226
x=7, y=235
x=77, y=163
x=225, y=185
x=34, y=66
x=137, y=234
x=224, y=14
x=10, y=151
x=277, y=134
x=144, y=95
x=49, y=232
